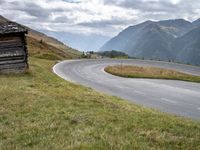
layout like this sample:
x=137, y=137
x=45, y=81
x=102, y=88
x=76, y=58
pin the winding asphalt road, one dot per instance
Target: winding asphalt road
x=176, y=97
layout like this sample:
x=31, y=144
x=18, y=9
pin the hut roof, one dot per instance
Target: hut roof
x=12, y=27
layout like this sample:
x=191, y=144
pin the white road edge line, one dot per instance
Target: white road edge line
x=168, y=100
x=58, y=74
x=139, y=92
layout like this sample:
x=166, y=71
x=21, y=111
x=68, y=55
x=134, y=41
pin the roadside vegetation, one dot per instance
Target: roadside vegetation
x=150, y=72
x=113, y=54
x=105, y=54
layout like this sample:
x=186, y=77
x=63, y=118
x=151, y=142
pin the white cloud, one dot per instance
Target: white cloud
x=106, y=17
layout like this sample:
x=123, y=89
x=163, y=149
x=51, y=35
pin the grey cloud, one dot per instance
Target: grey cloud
x=147, y=10
x=36, y=10
x=63, y=19
x=73, y=1
x=159, y=8
x=2, y=2
x=105, y=23
x=152, y=6
x=30, y=8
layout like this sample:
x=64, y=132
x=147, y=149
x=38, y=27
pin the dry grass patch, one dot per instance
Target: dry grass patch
x=41, y=49
x=150, y=72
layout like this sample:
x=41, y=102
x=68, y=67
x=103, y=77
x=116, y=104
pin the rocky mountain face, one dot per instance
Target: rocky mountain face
x=163, y=40
x=196, y=22
x=188, y=47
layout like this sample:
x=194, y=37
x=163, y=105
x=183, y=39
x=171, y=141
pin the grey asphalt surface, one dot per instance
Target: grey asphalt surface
x=176, y=97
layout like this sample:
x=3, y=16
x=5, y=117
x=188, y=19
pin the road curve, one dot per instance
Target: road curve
x=176, y=97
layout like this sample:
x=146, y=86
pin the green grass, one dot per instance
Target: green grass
x=150, y=72
x=38, y=110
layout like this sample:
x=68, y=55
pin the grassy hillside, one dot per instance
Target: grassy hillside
x=38, y=110
x=41, y=45
x=70, y=52
x=41, y=49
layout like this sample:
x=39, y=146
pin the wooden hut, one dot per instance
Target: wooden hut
x=13, y=50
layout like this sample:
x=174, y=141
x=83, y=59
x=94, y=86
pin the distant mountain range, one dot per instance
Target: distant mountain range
x=175, y=40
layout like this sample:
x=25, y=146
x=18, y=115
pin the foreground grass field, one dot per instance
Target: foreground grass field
x=38, y=110
x=150, y=72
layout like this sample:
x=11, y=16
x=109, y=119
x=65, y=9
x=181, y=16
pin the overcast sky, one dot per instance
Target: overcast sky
x=106, y=17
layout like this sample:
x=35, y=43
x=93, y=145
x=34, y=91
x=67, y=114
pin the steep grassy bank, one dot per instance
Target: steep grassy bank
x=38, y=110
x=150, y=72
x=41, y=49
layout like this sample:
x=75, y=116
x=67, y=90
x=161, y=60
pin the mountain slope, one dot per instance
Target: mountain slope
x=153, y=43
x=41, y=49
x=53, y=42
x=196, y=23
x=40, y=45
x=188, y=47
x=177, y=27
x=146, y=40
x=124, y=38
x=157, y=40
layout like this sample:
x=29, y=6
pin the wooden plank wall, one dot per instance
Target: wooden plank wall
x=13, y=54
